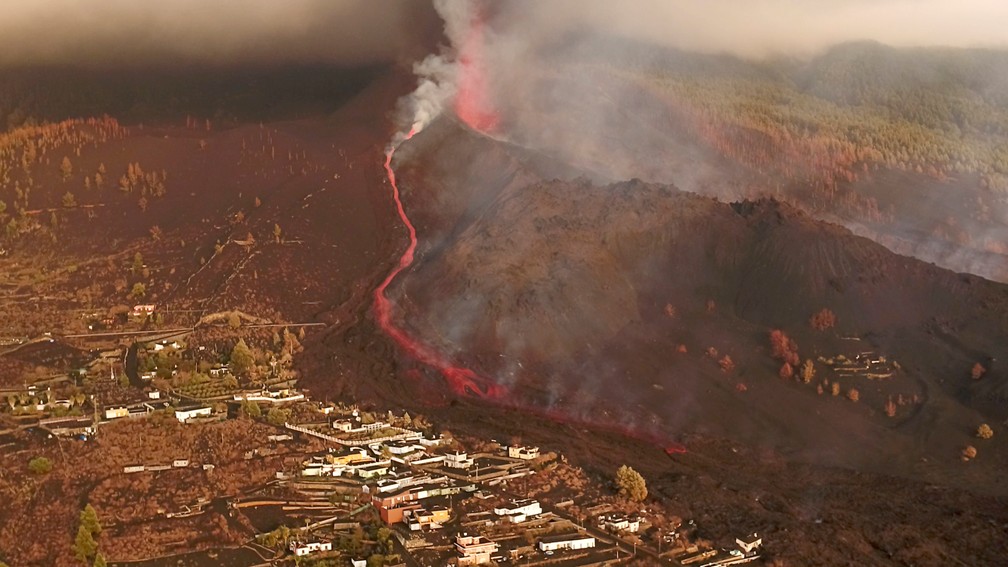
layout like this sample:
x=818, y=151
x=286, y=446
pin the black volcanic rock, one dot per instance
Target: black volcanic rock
x=559, y=289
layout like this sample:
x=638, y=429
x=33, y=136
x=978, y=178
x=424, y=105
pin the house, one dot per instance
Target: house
x=519, y=510
x=154, y=395
x=358, y=563
x=143, y=310
x=423, y=518
x=116, y=413
x=218, y=371
x=749, y=544
x=620, y=523
x=523, y=453
x=271, y=396
x=185, y=414
x=373, y=469
x=564, y=542
x=133, y=468
x=474, y=550
x=302, y=549
x=458, y=460
x=180, y=463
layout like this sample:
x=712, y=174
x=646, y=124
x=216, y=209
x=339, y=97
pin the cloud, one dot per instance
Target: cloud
x=137, y=33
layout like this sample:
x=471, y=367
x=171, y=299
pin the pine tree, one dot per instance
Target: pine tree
x=241, y=358
x=85, y=545
x=89, y=519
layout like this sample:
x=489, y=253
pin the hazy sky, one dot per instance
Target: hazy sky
x=114, y=32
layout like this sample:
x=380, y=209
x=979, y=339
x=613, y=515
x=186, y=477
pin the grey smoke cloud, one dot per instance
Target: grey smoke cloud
x=137, y=33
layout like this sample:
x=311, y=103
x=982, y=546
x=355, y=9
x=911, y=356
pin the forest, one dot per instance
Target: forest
x=860, y=106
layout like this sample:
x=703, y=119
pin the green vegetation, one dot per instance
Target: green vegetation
x=242, y=359
x=631, y=484
x=934, y=111
x=278, y=416
x=249, y=409
x=40, y=466
x=89, y=519
x=139, y=290
x=85, y=547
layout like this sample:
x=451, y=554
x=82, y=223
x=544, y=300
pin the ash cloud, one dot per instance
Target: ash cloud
x=128, y=33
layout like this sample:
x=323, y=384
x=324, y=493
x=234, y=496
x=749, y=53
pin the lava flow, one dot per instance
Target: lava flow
x=463, y=381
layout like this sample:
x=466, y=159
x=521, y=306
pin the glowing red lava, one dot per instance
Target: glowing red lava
x=472, y=101
x=462, y=381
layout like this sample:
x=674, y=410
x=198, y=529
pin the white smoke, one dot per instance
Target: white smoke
x=437, y=74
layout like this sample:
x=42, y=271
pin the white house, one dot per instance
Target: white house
x=517, y=511
x=180, y=463
x=566, y=542
x=458, y=460
x=185, y=414
x=523, y=453
x=750, y=543
x=301, y=549
x=620, y=523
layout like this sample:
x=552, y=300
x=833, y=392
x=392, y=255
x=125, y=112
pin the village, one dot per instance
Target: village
x=361, y=487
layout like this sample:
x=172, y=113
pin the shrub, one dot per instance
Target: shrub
x=890, y=407
x=786, y=371
x=822, y=320
x=853, y=395
x=978, y=371
x=969, y=452
x=984, y=431
x=40, y=465
x=808, y=371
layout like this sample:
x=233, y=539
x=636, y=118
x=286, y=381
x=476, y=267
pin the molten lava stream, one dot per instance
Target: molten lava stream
x=462, y=381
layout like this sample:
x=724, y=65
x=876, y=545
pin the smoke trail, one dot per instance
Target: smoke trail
x=437, y=74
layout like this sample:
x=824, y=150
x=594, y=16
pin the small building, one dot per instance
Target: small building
x=180, y=463
x=458, y=460
x=422, y=518
x=218, y=371
x=523, y=453
x=116, y=413
x=133, y=468
x=184, y=414
x=621, y=523
x=143, y=310
x=358, y=563
x=69, y=426
x=517, y=511
x=302, y=549
x=566, y=542
x=474, y=550
x=373, y=470
x=749, y=544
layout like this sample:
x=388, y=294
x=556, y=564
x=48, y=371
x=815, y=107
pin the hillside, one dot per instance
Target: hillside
x=906, y=147
x=577, y=296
